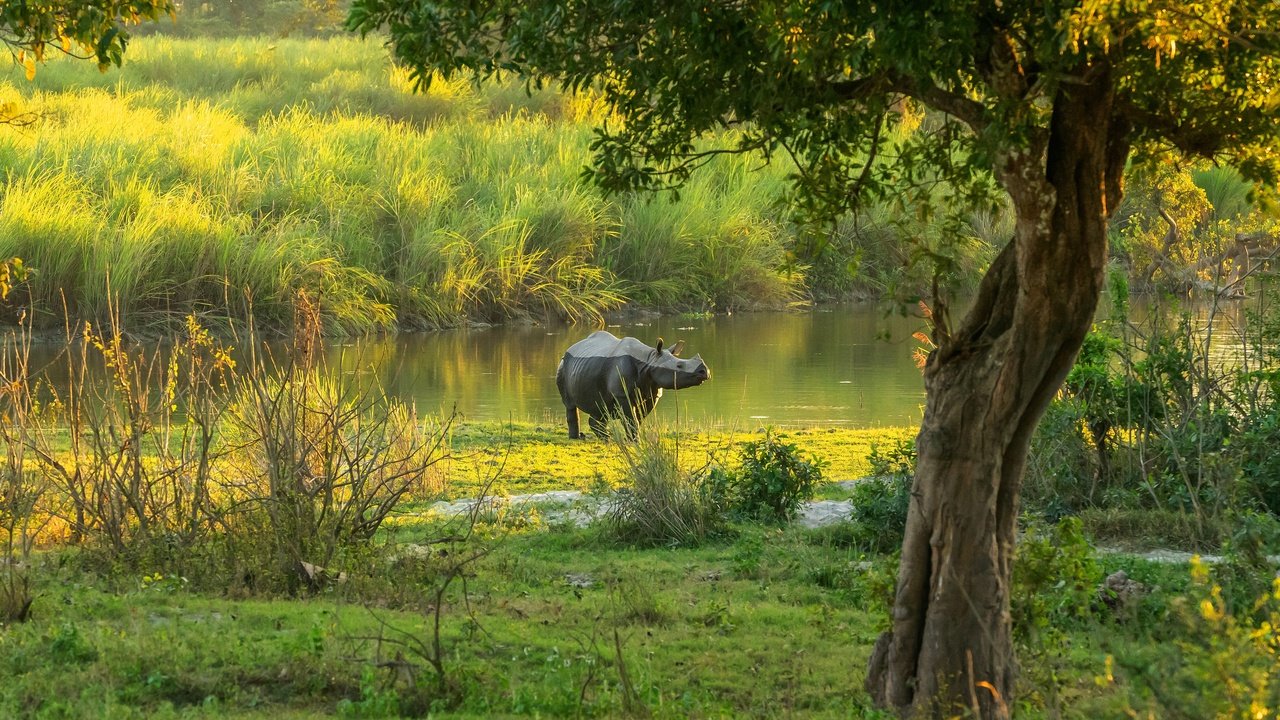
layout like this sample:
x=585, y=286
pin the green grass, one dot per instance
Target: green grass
x=771, y=623
x=205, y=169
x=697, y=640
x=757, y=621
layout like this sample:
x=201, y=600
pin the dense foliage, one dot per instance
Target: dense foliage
x=1153, y=416
x=322, y=171
x=769, y=480
x=480, y=216
x=88, y=28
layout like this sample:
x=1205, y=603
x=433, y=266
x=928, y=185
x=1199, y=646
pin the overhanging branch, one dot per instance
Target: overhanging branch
x=963, y=108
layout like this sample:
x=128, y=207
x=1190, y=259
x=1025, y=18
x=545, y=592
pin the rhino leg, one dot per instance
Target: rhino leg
x=571, y=419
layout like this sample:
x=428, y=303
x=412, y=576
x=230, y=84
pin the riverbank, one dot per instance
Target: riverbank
x=534, y=458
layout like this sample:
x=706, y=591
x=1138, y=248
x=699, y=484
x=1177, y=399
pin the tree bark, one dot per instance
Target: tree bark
x=988, y=383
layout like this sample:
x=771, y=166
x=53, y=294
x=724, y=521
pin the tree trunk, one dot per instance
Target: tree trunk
x=987, y=384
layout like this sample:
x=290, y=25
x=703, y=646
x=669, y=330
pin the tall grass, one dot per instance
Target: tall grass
x=205, y=169
x=662, y=502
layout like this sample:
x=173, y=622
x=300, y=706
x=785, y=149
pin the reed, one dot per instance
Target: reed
x=209, y=168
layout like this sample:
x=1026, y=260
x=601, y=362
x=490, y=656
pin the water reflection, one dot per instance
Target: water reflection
x=828, y=367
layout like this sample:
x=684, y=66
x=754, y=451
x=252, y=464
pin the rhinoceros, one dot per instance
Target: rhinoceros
x=606, y=376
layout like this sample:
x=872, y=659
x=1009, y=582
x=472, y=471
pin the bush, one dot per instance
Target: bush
x=1245, y=571
x=1149, y=420
x=1055, y=578
x=897, y=461
x=771, y=481
x=878, y=518
x=183, y=461
x=1228, y=660
x=324, y=463
x=1061, y=475
x=879, y=512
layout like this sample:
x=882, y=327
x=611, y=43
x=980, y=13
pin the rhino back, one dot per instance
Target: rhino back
x=604, y=344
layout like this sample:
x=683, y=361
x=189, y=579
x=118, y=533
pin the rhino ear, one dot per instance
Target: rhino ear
x=677, y=348
x=659, y=350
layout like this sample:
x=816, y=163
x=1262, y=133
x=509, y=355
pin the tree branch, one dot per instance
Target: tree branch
x=967, y=110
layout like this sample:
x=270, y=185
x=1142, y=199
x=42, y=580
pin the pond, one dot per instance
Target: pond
x=846, y=365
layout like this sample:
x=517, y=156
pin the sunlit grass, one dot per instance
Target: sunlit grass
x=526, y=457
x=207, y=168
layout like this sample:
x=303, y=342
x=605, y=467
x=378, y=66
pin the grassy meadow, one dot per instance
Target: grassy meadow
x=207, y=170
x=560, y=621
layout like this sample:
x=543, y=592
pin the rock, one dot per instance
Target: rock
x=818, y=513
x=1120, y=593
x=579, y=580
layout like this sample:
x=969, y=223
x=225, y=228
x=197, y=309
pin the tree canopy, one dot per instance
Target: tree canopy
x=85, y=28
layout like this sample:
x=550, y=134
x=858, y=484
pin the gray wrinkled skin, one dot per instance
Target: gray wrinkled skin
x=605, y=376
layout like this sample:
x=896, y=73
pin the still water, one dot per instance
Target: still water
x=843, y=365
x=847, y=365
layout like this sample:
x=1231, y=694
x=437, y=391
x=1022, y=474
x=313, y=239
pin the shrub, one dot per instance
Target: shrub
x=182, y=460
x=22, y=491
x=1245, y=571
x=1055, y=577
x=1061, y=473
x=879, y=512
x=772, y=480
x=324, y=463
x=897, y=461
x=1150, y=420
x=1228, y=660
x=878, y=517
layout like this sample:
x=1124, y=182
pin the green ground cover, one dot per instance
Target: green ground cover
x=770, y=623
x=537, y=458
x=557, y=619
